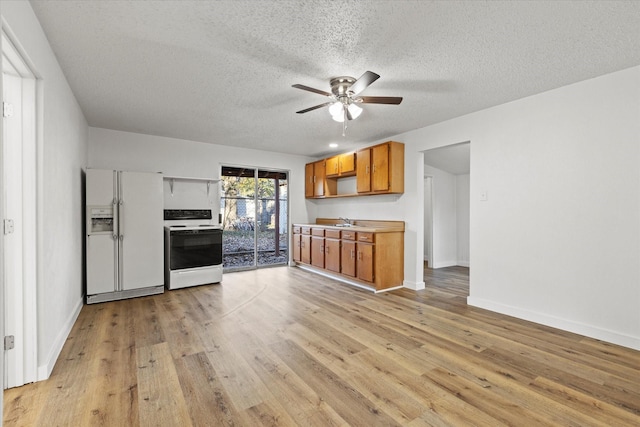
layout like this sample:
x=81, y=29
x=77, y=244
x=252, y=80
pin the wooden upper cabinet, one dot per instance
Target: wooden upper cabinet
x=308, y=183
x=382, y=169
x=378, y=169
x=363, y=171
x=316, y=184
x=341, y=165
x=333, y=166
x=319, y=176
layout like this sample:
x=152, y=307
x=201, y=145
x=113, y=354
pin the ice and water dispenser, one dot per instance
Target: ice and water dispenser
x=100, y=220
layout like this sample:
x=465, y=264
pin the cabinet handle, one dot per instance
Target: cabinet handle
x=359, y=255
x=353, y=255
x=374, y=168
x=366, y=170
x=326, y=251
x=302, y=244
x=314, y=179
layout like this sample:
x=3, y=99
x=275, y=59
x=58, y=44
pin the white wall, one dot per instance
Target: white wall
x=558, y=240
x=462, y=219
x=176, y=157
x=450, y=199
x=62, y=155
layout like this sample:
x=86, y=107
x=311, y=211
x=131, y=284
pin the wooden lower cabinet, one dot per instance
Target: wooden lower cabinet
x=373, y=259
x=296, y=239
x=317, y=251
x=365, y=261
x=332, y=255
x=348, y=258
x=332, y=250
x=305, y=245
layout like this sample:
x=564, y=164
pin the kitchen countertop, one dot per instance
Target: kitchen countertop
x=367, y=226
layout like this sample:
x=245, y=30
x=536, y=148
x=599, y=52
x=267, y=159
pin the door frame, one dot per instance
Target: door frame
x=428, y=233
x=255, y=220
x=25, y=370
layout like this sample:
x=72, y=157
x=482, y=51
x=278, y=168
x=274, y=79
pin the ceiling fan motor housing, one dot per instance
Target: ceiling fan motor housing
x=340, y=85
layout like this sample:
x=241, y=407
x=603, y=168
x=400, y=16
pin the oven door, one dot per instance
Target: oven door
x=195, y=248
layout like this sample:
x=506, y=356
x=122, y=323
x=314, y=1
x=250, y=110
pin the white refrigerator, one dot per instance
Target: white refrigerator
x=125, y=235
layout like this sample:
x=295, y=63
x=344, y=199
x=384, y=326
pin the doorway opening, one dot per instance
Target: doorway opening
x=254, y=211
x=446, y=209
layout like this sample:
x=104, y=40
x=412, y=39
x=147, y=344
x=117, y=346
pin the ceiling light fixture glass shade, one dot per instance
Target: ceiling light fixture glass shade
x=337, y=111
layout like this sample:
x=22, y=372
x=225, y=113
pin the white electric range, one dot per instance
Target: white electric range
x=193, y=248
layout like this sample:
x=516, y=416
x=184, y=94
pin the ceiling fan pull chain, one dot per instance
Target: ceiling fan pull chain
x=344, y=122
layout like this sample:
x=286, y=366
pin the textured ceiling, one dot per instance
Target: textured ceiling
x=221, y=71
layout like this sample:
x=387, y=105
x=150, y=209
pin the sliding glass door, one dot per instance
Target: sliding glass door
x=254, y=217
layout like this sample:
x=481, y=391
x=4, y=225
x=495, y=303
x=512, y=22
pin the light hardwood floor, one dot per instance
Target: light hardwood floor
x=281, y=346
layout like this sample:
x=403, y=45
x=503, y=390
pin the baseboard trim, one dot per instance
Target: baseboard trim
x=559, y=323
x=443, y=264
x=463, y=263
x=44, y=371
x=416, y=286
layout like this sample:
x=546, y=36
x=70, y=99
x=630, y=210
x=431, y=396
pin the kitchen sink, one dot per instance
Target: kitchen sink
x=343, y=225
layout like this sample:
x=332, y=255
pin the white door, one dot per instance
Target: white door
x=141, y=230
x=19, y=255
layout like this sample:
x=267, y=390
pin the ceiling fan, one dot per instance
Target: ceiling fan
x=344, y=97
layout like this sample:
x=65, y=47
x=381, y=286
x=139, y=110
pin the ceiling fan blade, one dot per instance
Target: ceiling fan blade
x=392, y=100
x=310, y=89
x=314, y=108
x=363, y=82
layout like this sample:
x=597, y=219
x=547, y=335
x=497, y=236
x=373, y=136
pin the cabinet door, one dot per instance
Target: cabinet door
x=331, y=167
x=308, y=183
x=363, y=171
x=317, y=251
x=332, y=255
x=348, y=258
x=297, y=240
x=364, y=264
x=318, y=178
x=347, y=163
x=380, y=168
x=305, y=249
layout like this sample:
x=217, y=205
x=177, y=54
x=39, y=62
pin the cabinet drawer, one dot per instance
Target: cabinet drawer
x=366, y=237
x=349, y=235
x=296, y=230
x=317, y=232
x=306, y=230
x=332, y=234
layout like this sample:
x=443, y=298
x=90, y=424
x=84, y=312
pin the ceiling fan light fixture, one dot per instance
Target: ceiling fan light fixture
x=355, y=111
x=336, y=109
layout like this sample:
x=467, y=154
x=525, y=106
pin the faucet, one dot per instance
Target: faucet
x=346, y=220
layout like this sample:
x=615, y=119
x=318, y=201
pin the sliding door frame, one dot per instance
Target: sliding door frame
x=256, y=170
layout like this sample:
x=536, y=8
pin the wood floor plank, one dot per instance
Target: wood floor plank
x=205, y=396
x=160, y=397
x=282, y=346
x=348, y=402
